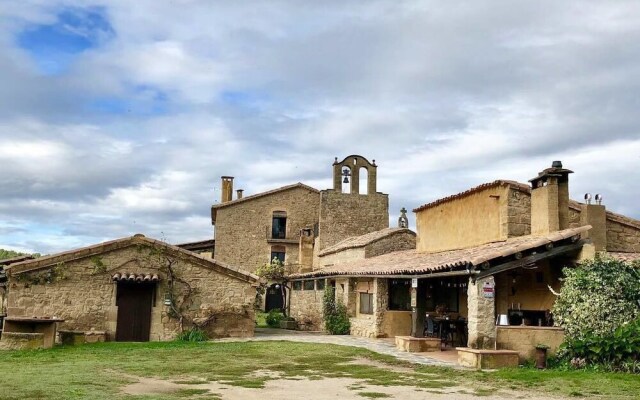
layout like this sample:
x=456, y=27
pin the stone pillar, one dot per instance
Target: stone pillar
x=482, y=314
x=381, y=303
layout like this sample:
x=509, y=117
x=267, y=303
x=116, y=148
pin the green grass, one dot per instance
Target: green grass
x=99, y=371
x=373, y=395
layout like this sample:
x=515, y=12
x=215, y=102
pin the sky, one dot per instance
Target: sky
x=119, y=117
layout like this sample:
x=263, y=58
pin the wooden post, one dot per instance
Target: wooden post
x=419, y=307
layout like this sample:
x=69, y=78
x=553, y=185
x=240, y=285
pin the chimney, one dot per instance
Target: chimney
x=227, y=189
x=596, y=216
x=239, y=193
x=550, y=200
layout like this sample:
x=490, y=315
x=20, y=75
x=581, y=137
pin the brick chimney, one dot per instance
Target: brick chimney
x=550, y=200
x=227, y=189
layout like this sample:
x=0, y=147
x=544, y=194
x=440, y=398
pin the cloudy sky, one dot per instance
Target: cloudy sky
x=120, y=116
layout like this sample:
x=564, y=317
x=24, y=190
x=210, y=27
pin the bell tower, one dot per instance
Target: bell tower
x=348, y=171
x=350, y=212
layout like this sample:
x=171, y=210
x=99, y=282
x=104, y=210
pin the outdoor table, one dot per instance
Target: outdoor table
x=458, y=324
x=46, y=326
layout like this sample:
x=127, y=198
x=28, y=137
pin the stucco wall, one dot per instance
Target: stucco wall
x=242, y=229
x=343, y=215
x=525, y=291
x=396, y=323
x=524, y=339
x=86, y=299
x=467, y=221
x=341, y=257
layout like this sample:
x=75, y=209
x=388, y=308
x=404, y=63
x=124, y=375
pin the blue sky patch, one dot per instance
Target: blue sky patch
x=55, y=46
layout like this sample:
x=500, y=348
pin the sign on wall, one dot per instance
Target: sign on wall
x=488, y=290
x=414, y=282
x=414, y=297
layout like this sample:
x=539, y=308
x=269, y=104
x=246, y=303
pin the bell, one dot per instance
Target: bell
x=346, y=180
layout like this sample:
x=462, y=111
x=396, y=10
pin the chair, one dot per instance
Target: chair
x=432, y=327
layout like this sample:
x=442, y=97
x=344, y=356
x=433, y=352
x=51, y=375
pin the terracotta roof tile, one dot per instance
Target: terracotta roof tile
x=412, y=262
x=363, y=240
x=630, y=257
x=47, y=261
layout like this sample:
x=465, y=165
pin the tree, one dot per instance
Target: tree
x=275, y=271
x=6, y=254
x=597, y=297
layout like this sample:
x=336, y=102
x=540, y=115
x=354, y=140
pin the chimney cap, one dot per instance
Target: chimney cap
x=227, y=177
x=556, y=164
x=555, y=170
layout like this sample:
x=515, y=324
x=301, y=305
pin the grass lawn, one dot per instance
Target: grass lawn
x=100, y=371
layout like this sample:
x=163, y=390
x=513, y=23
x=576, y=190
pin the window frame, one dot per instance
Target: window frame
x=368, y=310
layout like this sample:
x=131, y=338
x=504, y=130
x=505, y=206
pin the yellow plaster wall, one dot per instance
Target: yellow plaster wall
x=530, y=295
x=524, y=339
x=396, y=323
x=468, y=221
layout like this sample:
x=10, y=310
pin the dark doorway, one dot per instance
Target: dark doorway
x=274, y=299
x=134, y=301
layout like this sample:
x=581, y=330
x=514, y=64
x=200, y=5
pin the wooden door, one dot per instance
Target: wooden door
x=134, y=301
x=274, y=300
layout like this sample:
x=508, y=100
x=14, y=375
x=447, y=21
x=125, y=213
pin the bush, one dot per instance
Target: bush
x=274, y=317
x=193, y=335
x=336, y=318
x=598, y=297
x=618, y=351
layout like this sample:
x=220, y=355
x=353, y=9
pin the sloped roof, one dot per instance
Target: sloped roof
x=412, y=262
x=363, y=240
x=13, y=260
x=525, y=188
x=500, y=182
x=216, y=207
x=139, y=239
x=629, y=257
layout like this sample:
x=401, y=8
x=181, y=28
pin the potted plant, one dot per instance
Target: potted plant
x=541, y=356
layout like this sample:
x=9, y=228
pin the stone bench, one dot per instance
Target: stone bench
x=486, y=359
x=418, y=345
x=21, y=341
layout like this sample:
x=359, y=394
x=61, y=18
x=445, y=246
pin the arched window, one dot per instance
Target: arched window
x=364, y=180
x=346, y=179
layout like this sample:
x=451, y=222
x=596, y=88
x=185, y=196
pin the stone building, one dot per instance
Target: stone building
x=491, y=251
x=134, y=289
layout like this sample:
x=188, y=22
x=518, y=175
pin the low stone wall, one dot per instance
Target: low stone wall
x=21, y=341
x=524, y=339
x=306, y=308
x=364, y=326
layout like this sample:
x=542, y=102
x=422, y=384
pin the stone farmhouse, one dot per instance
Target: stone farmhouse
x=491, y=253
x=130, y=289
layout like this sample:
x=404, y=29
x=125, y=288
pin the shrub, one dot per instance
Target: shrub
x=193, y=335
x=336, y=318
x=274, y=317
x=617, y=351
x=598, y=297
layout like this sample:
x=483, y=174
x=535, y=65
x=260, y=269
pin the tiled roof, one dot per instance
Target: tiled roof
x=363, y=240
x=14, y=260
x=630, y=257
x=501, y=182
x=412, y=262
x=201, y=245
x=216, y=207
x=47, y=261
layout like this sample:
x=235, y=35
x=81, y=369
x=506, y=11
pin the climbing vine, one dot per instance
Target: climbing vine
x=47, y=276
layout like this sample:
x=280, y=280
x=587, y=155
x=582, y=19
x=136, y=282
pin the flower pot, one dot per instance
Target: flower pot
x=541, y=358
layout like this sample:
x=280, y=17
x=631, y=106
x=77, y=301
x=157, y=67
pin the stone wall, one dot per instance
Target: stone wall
x=86, y=297
x=343, y=215
x=341, y=257
x=463, y=222
x=371, y=325
x=243, y=230
x=518, y=213
x=400, y=241
x=622, y=237
x=306, y=306
x=482, y=316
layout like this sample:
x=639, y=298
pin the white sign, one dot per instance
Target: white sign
x=488, y=290
x=414, y=282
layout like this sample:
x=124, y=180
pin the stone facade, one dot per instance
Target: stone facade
x=403, y=240
x=85, y=296
x=482, y=316
x=371, y=325
x=344, y=215
x=243, y=228
x=306, y=307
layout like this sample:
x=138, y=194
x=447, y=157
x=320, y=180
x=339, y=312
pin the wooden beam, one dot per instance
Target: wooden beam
x=554, y=252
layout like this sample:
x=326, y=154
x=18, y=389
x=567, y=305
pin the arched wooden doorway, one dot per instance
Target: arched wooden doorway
x=275, y=298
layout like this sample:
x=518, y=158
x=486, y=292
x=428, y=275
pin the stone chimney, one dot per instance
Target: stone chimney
x=305, y=250
x=227, y=189
x=239, y=193
x=550, y=200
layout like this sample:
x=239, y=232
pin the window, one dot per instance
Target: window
x=443, y=294
x=320, y=284
x=308, y=285
x=366, y=303
x=400, y=294
x=279, y=225
x=297, y=285
x=278, y=252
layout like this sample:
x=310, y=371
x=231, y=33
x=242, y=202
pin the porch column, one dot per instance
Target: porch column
x=420, y=309
x=482, y=313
